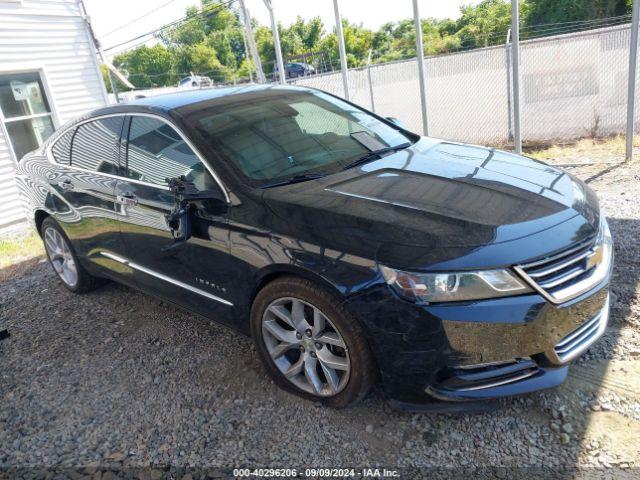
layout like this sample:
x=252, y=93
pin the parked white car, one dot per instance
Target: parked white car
x=195, y=81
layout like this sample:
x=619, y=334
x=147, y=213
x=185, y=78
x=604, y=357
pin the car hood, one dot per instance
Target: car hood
x=437, y=194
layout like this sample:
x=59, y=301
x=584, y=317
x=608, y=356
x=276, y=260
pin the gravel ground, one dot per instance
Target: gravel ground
x=115, y=380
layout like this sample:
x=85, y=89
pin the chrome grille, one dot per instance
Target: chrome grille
x=582, y=337
x=555, y=271
x=565, y=275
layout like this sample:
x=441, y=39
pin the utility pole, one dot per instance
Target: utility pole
x=114, y=88
x=421, y=67
x=247, y=61
x=276, y=43
x=373, y=104
x=252, y=43
x=343, y=51
x=508, y=65
x=633, y=68
x=111, y=69
x=515, y=54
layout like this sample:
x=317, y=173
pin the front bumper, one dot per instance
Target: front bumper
x=477, y=350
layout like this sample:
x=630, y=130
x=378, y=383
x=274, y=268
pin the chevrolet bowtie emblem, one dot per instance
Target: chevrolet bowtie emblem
x=595, y=258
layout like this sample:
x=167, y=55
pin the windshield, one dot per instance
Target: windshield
x=272, y=135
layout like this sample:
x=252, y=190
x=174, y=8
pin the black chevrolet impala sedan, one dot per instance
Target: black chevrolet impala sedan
x=350, y=249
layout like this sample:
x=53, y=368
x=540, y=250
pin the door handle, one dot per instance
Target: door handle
x=66, y=184
x=128, y=199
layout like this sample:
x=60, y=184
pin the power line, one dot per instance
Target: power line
x=595, y=20
x=170, y=73
x=171, y=25
x=137, y=18
x=570, y=27
x=532, y=35
x=184, y=20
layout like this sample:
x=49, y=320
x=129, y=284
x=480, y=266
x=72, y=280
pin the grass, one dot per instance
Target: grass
x=599, y=150
x=22, y=247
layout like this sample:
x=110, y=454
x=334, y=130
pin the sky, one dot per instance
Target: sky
x=108, y=15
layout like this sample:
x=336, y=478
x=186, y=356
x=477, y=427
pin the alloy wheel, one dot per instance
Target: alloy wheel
x=61, y=256
x=306, y=346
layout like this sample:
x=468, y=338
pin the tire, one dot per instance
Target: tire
x=340, y=388
x=84, y=281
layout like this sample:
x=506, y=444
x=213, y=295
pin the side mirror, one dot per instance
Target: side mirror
x=185, y=194
x=185, y=190
x=396, y=121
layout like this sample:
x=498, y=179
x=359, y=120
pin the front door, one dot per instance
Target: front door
x=193, y=273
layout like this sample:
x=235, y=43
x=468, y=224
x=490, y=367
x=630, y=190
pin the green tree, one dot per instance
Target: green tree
x=300, y=37
x=107, y=83
x=210, y=40
x=147, y=66
x=188, y=32
x=556, y=11
x=486, y=23
x=310, y=33
x=264, y=44
x=357, y=41
x=199, y=59
x=214, y=25
x=395, y=41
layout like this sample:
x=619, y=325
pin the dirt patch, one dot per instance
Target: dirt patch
x=19, y=269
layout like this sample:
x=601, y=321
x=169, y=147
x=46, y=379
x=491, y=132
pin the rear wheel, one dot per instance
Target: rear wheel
x=64, y=260
x=310, y=344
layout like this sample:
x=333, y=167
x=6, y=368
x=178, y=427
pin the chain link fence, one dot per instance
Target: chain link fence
x=573, y=86
x=636, y=116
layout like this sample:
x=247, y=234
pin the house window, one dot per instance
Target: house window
x=25, y=110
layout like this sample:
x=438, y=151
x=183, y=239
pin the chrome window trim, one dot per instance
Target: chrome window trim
x=164, y=277
x=60, y=134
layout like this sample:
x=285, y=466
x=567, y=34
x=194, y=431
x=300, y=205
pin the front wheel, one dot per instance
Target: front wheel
x=309, y=344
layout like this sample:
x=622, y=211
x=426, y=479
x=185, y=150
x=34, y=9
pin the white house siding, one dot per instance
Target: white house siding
x=50, y=37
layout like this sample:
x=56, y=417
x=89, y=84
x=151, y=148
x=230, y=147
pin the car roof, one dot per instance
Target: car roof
x=167, y=103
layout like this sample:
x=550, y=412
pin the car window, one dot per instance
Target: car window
x=95, y=145
x=280, y=134
x=315, y=120
x=61, y=149
x=156, y=152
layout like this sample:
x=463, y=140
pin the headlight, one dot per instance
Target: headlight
x=603, y=251
x=453, y=286
x=605, y=232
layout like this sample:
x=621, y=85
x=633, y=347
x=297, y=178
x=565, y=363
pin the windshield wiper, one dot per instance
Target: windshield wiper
x=301, y=177
x=376, y=154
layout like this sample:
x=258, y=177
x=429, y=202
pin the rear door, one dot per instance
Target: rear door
x=194, y=273
x=88, y=159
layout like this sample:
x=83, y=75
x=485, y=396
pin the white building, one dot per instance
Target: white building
x=49, y=74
